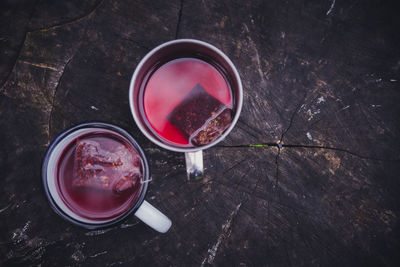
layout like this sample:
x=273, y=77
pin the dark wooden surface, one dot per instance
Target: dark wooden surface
x=321, y=78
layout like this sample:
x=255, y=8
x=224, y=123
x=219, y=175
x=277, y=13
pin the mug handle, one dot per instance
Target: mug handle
x=154, y=218
x=194, y=164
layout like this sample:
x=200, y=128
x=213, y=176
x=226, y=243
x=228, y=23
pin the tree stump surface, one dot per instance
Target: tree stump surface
x=308, y=177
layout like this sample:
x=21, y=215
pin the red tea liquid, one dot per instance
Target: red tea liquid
x=170, y=84
x=91, y=202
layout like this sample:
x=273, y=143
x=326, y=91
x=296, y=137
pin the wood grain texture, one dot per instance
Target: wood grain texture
x=308, y=177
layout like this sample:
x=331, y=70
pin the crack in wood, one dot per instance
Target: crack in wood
x=278, y=145
x=298, y=107
x=54, y=95
x=179, y=19
x=265, y=145
x=225, y=233
x=277, y=166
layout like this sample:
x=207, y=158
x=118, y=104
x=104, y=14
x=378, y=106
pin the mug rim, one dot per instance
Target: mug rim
x=136, y=116
x=99, y=125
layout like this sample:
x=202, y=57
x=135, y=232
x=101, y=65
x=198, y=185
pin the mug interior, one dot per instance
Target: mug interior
x=174, y=50
x=51, y=161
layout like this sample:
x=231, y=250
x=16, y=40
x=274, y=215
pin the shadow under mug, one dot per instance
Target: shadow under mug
x=172, y=50
x=139, y=206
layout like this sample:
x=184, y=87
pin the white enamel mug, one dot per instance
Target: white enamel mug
x=139, y=207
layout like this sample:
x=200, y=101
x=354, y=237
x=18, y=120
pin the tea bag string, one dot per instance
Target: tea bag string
x=146, y=181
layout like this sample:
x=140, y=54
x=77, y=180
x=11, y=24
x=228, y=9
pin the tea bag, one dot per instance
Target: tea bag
x=201, y=117
x=98, y=168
